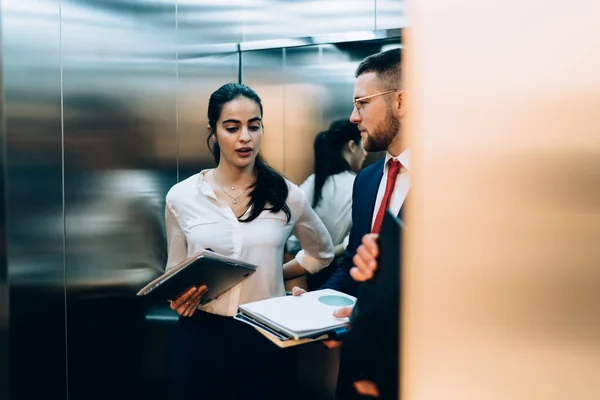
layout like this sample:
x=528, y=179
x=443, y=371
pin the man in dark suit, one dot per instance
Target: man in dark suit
x=379, y=107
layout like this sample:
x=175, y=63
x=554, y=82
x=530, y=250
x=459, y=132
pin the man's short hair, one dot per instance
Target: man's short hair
x=386, y=66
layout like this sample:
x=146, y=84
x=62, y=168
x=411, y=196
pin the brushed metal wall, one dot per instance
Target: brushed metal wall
x=207, y=52
x=199, y=75
x=4, y=307
x=276, y=19
x=208, y=22
x=34, y=230
x=389, y=14
x=120, y=153
x=120, y=157
x=104, y=110
x=263, y=72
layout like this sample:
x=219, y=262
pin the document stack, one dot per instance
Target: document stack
x=293, y=320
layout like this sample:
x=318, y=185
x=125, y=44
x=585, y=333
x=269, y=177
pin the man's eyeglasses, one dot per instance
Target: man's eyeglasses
x=358, y=103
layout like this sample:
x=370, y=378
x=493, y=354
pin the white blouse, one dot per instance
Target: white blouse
x=334, y=208
x=196, y=220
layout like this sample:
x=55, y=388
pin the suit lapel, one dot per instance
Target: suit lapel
x=371, y=193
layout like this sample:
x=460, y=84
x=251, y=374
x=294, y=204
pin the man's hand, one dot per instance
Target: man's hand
x=339, y=313
x=343, y=312
x=367, y=388
x=365, y=259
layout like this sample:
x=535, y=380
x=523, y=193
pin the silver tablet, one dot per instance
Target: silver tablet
x=219, y=273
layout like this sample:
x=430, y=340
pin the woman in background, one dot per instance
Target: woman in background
x=338, y=156
x=246, y=210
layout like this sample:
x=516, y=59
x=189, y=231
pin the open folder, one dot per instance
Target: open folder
x=293, y=320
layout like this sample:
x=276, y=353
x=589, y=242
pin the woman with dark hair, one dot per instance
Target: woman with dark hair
x=338, y=156
x=246, y=210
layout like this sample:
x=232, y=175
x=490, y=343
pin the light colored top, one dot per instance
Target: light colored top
x=196, y=219
x=334, y=208
x=400, y=189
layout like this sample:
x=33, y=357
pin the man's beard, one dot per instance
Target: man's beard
x=384, y=134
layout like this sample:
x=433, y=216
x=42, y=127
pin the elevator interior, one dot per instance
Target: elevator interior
x=104, y=109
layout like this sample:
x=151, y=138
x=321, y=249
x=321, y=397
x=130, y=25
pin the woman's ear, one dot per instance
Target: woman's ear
x=351, y=146
x=211, y=133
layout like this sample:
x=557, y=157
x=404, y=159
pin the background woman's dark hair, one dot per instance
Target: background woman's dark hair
x=329, y=159
x=269, y=187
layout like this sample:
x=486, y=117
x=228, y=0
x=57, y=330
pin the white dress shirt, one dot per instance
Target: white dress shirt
x=334, y=208
x=401, y=187
x=196, y=219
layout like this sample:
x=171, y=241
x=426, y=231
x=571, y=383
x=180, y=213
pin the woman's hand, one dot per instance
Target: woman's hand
x=188, y=302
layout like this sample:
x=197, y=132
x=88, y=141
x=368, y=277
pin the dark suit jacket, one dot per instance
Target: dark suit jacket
x=370, y=352
x=364, y=194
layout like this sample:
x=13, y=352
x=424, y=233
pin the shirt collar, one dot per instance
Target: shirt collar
x=404, y=159
x=203, y=186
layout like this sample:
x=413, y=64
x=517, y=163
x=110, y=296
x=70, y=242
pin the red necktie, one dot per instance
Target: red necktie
x=393, y=170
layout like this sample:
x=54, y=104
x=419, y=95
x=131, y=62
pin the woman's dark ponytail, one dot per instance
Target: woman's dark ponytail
x=329, y=158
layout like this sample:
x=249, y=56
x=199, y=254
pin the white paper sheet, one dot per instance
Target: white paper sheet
x=308, y=312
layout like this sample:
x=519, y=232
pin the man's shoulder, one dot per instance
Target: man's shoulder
x=372, y=169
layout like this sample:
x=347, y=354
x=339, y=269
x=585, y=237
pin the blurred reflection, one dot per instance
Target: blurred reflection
x=338, y=156
x=114, y=212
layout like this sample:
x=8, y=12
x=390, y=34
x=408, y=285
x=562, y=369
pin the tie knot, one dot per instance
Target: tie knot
x=393, y=167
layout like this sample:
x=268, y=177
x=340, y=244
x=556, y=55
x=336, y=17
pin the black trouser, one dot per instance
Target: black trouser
x=346, y=391
x=216, y=357
x=364, y=359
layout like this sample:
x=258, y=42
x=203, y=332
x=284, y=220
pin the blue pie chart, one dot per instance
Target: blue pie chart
x=337, y=301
